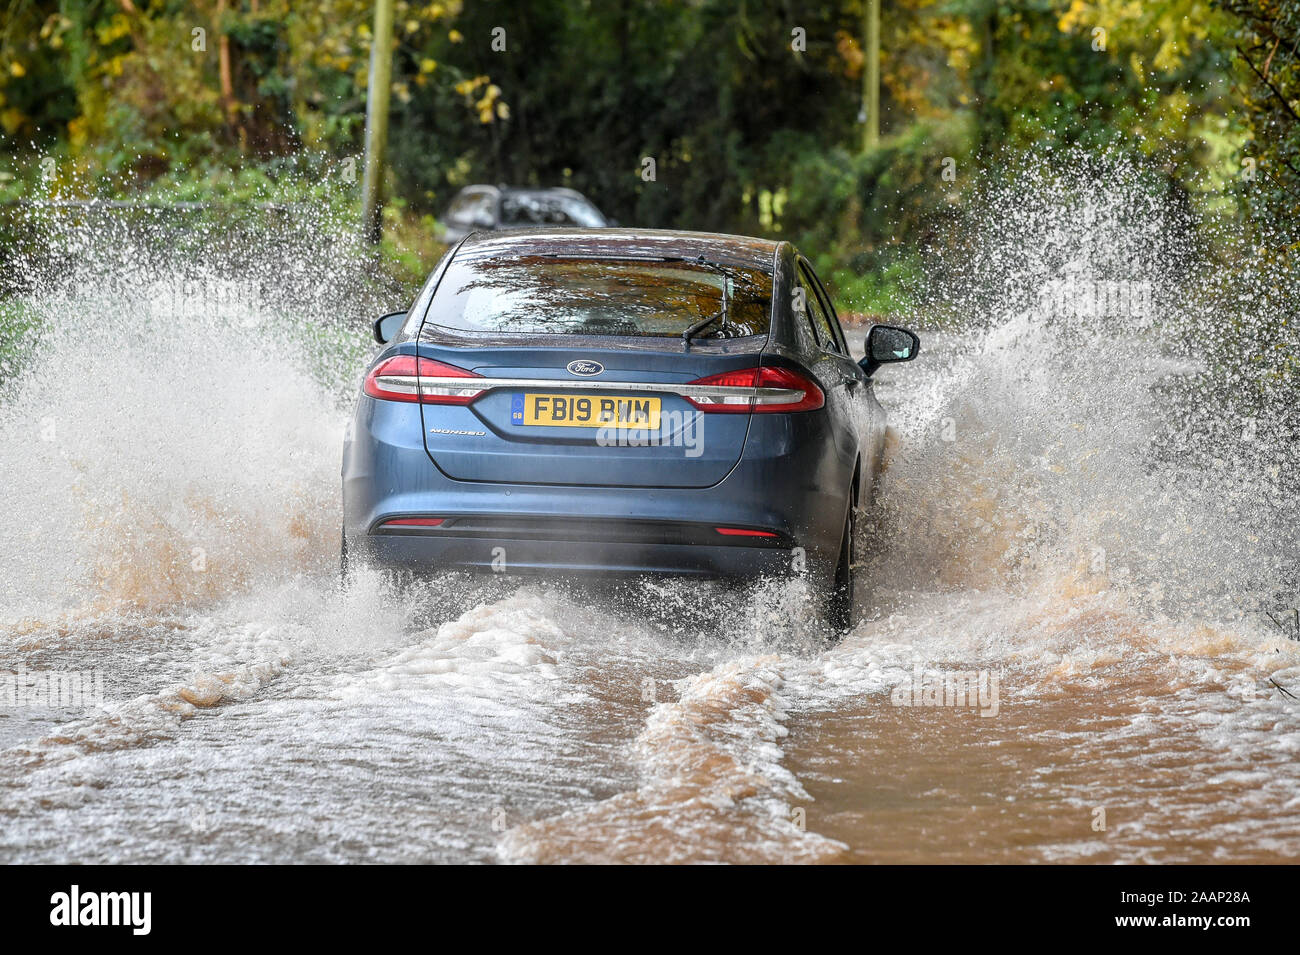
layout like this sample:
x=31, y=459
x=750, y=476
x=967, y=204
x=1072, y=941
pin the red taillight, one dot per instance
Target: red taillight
x=414, y=522
x=742, y=532
x=771, y=390
x=406, y=378
x=723, y=403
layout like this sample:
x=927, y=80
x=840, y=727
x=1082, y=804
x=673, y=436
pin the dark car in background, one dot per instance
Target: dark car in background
x=495, y=208
x=618, y=402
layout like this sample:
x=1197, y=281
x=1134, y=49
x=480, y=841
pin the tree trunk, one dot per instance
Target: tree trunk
x=228, y=106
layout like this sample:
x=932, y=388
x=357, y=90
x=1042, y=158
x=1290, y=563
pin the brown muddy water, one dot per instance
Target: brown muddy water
x=1060, y=661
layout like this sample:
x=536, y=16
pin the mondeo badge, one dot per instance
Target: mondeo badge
x=585, y=367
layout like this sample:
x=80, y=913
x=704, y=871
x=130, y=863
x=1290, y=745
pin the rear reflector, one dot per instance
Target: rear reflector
x=414, y=522
x=742, y=532
x=399, y=379
x=775, y=390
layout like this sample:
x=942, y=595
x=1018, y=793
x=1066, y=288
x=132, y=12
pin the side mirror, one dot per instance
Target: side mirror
x=889, y=343
x=388, y=326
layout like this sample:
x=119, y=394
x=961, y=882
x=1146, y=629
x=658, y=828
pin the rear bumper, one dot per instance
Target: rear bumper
x=430, y=552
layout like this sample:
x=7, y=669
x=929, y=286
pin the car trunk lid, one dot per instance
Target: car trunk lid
x=608, y=414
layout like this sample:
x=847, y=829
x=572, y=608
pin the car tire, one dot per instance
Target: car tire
x=840, y=608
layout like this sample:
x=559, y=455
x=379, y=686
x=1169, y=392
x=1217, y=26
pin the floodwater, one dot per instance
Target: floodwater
x=170, y=530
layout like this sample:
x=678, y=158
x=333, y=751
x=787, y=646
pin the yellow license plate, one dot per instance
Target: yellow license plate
x=585, y=411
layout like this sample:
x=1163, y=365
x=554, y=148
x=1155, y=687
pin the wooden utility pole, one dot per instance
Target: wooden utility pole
x=381, y=77
x=871, y=75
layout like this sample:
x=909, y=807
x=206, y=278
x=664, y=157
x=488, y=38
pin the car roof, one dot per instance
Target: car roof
x=736, y=250
x=539, y=191
x=505, y=190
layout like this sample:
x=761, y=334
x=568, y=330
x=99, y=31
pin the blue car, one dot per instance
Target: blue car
x=616, y=401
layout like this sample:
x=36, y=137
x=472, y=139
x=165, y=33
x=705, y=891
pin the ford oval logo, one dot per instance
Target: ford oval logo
x=585, y=367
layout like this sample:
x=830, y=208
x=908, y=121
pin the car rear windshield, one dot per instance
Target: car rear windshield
x=545, y=295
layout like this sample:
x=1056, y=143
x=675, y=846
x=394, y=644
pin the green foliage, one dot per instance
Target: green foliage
x=1266, y=48
x=239, y=100
x=861, y=209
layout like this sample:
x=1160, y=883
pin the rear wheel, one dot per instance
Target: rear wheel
x=840, y=607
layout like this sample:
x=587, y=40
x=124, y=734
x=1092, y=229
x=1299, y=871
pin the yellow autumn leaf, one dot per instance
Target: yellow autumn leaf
x=466, y=87
x=17, y=69
x=117, y=28
x=1167, y=57
x=12, y=119
x=1076, y=14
